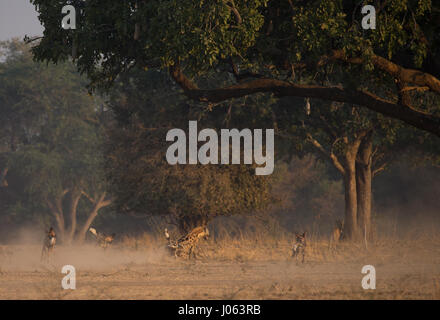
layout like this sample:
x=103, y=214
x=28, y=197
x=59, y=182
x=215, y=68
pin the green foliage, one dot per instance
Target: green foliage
x=198, y=32
x=139, y=174
x=278, y=39
x=52, y=131
x=203, y=34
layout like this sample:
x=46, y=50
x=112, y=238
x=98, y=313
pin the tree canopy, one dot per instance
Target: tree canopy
x=248, y=54
x=142, y=181
x=315, y=49
x=51, y=142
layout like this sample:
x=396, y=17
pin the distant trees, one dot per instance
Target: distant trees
x=51, y=141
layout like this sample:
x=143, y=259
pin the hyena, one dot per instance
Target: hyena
x=103, y=240
x=184, y=247
x=299, y=246
x=49, y=244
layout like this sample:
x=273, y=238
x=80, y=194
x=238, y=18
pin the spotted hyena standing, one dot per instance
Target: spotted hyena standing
x=184, y=247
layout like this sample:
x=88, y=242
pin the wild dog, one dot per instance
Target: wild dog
x=48, y=244
x=104, y=240
x=184, y=247
x=337, y=233
x=299, y=246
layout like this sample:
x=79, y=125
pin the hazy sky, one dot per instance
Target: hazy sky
x=17, y=19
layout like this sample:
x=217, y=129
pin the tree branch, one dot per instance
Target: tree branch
x=417, y=77
x=3, y=181
x=88, y=197
x=234, y=10
x=242, y=76
x=379, y=169
x=97, y=205
x=330, y=155
x=416, y=118
x=418, y=89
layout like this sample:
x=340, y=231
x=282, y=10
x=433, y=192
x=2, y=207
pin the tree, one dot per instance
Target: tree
x=53, y=133
x=20, y=108
x=279, y=47
x=357, y=142
x=310, y=49
x=141, y=179
x=354, y=142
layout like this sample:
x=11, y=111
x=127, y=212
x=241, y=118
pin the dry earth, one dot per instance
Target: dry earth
x=227, y=271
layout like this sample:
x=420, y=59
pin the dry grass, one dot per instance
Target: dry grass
x=244, y=266
x=255, y=247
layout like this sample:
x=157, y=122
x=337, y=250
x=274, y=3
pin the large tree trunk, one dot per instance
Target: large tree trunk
x=363, y=184
x=73, y=206
x=348, y=170
x=60, y=225
x=56, y=208
x=350, y=223
x=351, y=199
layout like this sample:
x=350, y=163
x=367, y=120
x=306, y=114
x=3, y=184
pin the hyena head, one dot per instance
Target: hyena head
x=301, y=238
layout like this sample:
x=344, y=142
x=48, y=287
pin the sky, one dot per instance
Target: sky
x=17, y=19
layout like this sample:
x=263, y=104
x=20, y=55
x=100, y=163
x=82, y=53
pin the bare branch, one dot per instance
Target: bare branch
x=418, y=89
x=330, y=155
x=92, y=200
x=234, y=10
x=379, y=169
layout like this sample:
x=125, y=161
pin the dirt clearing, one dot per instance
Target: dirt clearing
x=404, y=271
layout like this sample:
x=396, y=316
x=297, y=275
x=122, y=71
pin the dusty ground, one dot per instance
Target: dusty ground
x=404, y=271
